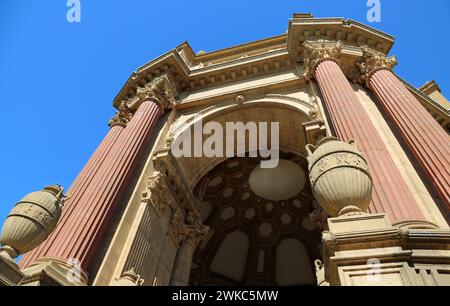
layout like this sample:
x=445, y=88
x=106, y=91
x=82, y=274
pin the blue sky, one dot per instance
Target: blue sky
x=57, y=80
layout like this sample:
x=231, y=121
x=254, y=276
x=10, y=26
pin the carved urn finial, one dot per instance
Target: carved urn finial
x=31, y=221
x=340, y=177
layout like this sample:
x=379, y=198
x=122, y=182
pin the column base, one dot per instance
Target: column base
x=367, y=250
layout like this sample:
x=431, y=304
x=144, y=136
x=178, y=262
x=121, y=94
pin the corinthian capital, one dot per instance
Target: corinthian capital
x=158, y=193
x=197, y=233
x=161, y=90
x=373, y=61
x=179, y=228
x=123, y=116
x=316, y=52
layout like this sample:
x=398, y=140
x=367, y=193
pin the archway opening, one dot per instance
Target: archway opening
x=260, y=229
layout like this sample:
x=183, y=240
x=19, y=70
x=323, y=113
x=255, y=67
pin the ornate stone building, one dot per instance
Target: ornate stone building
x=369, y=206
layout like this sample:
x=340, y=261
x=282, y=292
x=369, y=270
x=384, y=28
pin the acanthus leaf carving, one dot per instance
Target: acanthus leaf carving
x=372, y=61
x=161, y=90
x=123, y=116
x=318, y=51
x=179, y=229
x=158, y=193
x=319, y=217
x=197, y=233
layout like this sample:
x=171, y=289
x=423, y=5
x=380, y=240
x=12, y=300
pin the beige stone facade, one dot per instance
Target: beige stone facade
x=204, y=221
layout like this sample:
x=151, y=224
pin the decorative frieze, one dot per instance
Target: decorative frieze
x=318, y=51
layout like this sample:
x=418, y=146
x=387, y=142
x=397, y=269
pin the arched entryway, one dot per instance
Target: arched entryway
x=261, y=232
x=260, y=229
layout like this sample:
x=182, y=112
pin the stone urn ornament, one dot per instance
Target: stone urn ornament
x=339, y=176
x=31, y=221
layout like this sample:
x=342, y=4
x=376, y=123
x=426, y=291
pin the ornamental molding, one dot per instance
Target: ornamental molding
x=197, y=234
x=371, y=62
x=158, y=193
x=161, y=90
x=317, y=52
x=211, y=106
x=123, y=116
x=319, y=217
x=179, y=229
x=164, y=162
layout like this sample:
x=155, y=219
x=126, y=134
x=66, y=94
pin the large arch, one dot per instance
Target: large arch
x=252, y=240
x=290, y=112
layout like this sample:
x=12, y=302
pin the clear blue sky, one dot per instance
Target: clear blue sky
x=57, y=80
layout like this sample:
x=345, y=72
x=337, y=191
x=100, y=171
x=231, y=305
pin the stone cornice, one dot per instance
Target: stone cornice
x=192, y=72
x=350, y=32
x=371, y=62
x=318, y=51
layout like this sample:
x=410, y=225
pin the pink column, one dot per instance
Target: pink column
x=81, y=183
x=350, y=121
x=427, y=140
x=81, y=234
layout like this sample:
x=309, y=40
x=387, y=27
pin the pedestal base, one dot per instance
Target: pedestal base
x=53, y=272
x=10, y=274
x=366, y=250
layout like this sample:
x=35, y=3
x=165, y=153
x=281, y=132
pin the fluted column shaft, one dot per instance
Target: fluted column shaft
x=81, y=234
x=76, y=192
x=183, y=264
x=350, y=121
x=427, y=140
x=182, y=269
